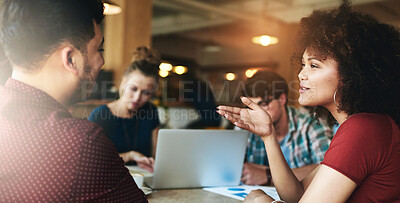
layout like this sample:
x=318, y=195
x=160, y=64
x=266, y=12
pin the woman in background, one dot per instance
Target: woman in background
x=350, y=71
x=132, y=122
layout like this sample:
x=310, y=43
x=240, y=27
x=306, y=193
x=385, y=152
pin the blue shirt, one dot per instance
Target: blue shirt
x=129, y=134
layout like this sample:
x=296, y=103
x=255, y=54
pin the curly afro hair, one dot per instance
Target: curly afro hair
x=368, y=57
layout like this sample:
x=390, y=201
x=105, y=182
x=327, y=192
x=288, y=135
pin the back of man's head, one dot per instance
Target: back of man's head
x=32, y=29
x=265, y=84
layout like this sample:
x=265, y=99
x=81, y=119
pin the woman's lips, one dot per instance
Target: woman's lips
x=303, y=89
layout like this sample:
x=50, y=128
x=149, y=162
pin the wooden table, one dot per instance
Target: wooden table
x=187, y=195
x=181, y=195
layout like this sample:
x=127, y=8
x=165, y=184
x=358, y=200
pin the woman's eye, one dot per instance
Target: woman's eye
x=303, y=65
x=146, y=93
x=101, y=50
x=314, y=66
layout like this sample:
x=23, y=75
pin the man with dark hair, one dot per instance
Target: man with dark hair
x=46, y=155
x=303, y=141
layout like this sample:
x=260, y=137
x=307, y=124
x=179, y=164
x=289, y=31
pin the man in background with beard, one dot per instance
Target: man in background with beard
x=46, y=155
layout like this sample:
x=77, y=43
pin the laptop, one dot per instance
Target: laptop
x=198, y=158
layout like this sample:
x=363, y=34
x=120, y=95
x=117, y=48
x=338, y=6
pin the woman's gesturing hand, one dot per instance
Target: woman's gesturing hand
x=254, y=119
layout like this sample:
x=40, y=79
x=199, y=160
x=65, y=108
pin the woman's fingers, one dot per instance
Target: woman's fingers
x=231, y=118
x=152, y=162
x=246, y=101
x=258, y=195
x=226, y=113
x=242, y=125
x=230, y=109
x=236, y=119
x=146, y=167
x=146, y=163
x=228, y=116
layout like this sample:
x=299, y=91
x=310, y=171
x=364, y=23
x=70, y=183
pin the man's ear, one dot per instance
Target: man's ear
x=67, y=54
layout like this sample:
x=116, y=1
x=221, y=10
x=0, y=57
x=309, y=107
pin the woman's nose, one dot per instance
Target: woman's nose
x=136, y=95
x=302, y=75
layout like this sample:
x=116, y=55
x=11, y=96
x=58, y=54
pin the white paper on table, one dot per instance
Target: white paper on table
x=137, y=169
x=241, y=191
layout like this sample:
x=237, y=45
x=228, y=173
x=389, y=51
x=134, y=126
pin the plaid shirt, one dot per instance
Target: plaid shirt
x=307, y=141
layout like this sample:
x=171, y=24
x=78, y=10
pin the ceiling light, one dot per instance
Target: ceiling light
x=250, y=72
x=265, y=40
x=163, y=73
x=165, y=66
x=180, y=70
x=211, y=46
x=111, y=8
x=230, y=76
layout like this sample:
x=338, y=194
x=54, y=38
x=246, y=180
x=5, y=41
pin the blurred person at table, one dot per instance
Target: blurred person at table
x=132, y=122
x=200, y=94
x=46, y=155
x=350, y=71
x=302, y=139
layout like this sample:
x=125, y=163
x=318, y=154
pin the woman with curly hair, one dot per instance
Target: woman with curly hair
x=350, y=72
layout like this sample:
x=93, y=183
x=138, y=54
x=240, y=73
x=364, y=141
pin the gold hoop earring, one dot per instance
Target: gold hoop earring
x=334, y=98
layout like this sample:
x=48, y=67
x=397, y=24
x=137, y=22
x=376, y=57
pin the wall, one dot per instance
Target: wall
x=124, y=32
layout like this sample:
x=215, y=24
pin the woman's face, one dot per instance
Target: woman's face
x=318, y=81
x=136, y=89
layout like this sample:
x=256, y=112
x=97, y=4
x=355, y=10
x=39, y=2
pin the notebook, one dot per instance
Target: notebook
x=198, y=158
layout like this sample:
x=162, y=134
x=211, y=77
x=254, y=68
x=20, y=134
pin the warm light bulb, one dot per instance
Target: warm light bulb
x=230, y=76
x=165, y=66
x=250, y=72
x=264, y=40
x=163, y=73
x=274, y=40
x=256, y=40
x=180, y=70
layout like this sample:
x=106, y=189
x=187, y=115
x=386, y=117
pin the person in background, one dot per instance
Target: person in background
x=302, y=139
x=131, y=122
x=350, y=71
x=199, y=93
x=46, y=155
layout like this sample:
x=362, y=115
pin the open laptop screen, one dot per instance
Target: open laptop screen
x=198, y=158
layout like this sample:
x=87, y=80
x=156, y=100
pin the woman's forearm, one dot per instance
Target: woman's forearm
x=288, y=186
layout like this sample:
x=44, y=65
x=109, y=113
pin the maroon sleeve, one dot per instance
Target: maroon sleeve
x=102, y=175
x=360, y=146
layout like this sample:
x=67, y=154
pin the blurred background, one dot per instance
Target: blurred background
x=218, y=42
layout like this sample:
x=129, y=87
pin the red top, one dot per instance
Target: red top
x=366, y=149
x=48, y=156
